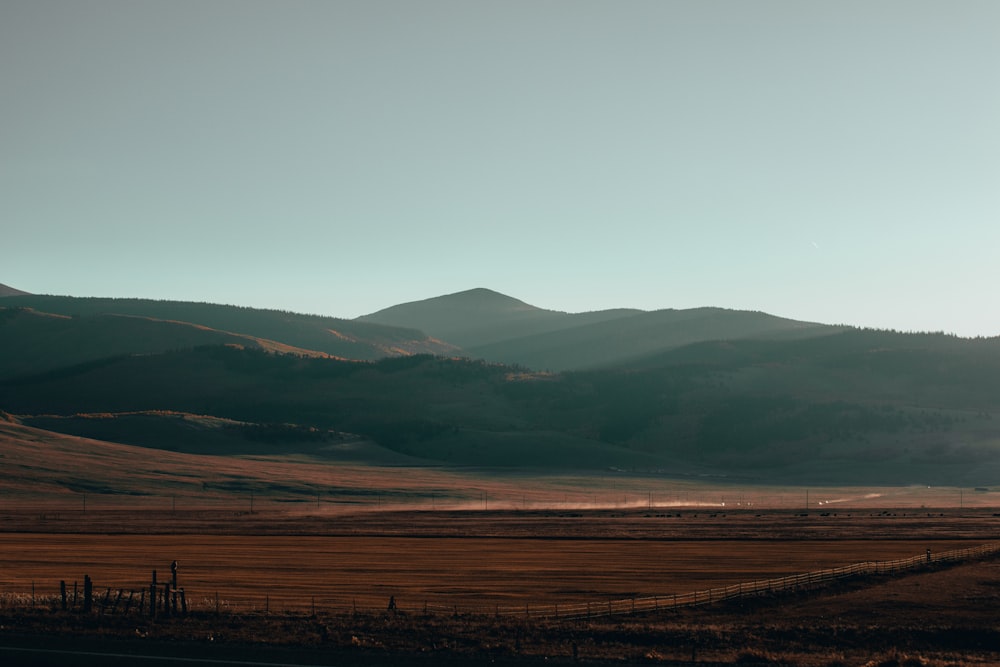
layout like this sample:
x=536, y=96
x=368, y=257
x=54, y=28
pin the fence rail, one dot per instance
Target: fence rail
x=751, y=588
x=114, y=600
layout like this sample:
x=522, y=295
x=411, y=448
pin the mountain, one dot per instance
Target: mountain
x=707, y=391
x=855, y=407
x=479, y=317
x=619, y=341
x=495, y=327
x=10, y=291
x=433, y=409
x=34, y=342
x=348, y=339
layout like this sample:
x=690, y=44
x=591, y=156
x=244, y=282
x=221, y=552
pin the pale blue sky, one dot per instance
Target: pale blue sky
x=830, y=161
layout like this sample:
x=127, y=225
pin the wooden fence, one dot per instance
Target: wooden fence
x=145, y=600
x=168, y=599
x=749, y=589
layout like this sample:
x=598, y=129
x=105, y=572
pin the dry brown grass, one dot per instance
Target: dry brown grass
x=472, y=574
x=469, y=542
x=853, y=624
x=939, y=616
x=59, y=473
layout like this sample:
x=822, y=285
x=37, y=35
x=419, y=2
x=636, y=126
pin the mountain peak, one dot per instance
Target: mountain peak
x=480, y=297
x=463, y=317
x=478, y=302
x=481, y=316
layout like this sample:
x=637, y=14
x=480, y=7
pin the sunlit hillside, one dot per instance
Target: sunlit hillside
x=349, y=339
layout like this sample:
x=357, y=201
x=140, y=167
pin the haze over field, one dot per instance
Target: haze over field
x=824, y=162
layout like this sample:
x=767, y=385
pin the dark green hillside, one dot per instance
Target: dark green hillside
x=395, y=399
x=849, y=408
x=859, y=405
x=440, y=410
x=925, y=369
x=349, y=339
x=32, y=342
x=201, y=434
x=609, y=343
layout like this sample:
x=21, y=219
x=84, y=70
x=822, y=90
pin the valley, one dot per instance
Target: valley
x=473, y=458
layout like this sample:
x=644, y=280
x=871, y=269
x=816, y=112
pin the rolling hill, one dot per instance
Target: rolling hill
x=491, y=326
x=42, y=464
x=33, y=342
x=614, y=342
x=348, y=339
x=849, y=408
x=731, y=394
x=10, y=291
x=480, y=317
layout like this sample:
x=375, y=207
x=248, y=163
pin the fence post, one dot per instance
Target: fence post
x=88, y=594
x=106, y=601
x=62, y=593
x=153, y=589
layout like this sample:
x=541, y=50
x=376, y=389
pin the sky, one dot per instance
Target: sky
x=835, y=162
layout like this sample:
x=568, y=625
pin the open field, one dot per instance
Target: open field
x=935, y=617
x=51, y=474
x=474, y=574
x=269, y=569
x=290, y=546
